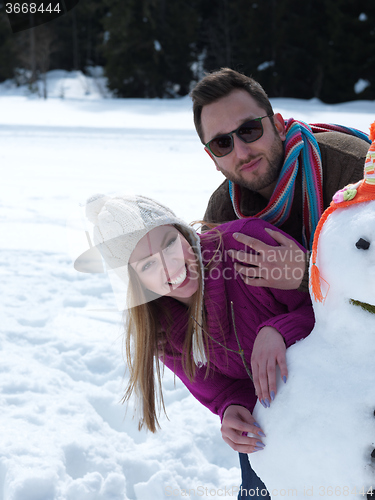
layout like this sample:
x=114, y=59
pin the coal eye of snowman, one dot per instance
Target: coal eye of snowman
x=362, y=244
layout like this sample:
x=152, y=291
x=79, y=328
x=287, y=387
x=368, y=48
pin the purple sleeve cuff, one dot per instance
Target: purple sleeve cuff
x=292, y=326
x=239, y=396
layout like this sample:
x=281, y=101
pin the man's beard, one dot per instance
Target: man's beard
x=274, y=159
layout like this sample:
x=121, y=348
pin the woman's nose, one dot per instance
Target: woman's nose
x=173, y=264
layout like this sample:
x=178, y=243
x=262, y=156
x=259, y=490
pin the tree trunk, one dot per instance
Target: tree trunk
x=76, y=61
x=33, y=76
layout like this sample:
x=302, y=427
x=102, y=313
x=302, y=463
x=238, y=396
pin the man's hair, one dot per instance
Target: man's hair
x=219, y=84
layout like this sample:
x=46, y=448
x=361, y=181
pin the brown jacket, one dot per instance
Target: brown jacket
x=343, y=158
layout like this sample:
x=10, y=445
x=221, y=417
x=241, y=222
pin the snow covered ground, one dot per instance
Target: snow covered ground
x=64, y=433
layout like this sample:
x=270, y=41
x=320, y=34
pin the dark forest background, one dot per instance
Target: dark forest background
x=159, y=48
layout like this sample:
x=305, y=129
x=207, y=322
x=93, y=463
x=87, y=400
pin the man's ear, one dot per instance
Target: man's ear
x=212, y=158
x=279, y=122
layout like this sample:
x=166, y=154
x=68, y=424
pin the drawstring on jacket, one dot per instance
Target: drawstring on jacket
x=240, y=351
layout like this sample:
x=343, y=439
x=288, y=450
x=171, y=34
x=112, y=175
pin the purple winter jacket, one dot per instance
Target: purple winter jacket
x=289, y=311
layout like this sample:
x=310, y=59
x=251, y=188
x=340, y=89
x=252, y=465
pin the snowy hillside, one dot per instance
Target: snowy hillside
x=64, y=433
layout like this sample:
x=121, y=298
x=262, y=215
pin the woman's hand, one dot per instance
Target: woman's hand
x=268, y=351
x=237, y=422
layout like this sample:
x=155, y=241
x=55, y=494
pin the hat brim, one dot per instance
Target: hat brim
x=90, y=261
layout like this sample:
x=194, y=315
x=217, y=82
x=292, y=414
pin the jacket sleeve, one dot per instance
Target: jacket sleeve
x=304, y=286
x=343, y=159
x=219, y=208
x=216, y=391
x=298, y=322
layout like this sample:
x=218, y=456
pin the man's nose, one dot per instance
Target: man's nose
x=241, y=149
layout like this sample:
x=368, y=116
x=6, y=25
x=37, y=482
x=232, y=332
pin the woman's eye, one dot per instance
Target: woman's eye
x=146, y=266
x=171, y=241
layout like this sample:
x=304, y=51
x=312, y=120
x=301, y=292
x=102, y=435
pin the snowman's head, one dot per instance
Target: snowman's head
x=346, y=256
x=343, y=256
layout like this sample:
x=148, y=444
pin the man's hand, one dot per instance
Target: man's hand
x=280, y=267
x=237, y=422
x=268, y=351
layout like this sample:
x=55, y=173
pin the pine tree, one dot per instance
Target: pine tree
x=7, y=49
x=149, y=47
x=80, y=35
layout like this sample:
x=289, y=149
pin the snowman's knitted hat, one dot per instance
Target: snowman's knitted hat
x=360, y=192
x=120, y=222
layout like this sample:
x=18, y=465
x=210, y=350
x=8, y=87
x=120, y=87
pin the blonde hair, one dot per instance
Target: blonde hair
x=144, y=345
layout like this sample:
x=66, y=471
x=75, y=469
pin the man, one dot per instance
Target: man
x=284, y=173
x=252, y=160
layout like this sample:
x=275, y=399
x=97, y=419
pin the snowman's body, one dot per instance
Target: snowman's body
x=322, y=420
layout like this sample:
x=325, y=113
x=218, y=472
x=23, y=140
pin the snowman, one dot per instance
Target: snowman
x=320, y=429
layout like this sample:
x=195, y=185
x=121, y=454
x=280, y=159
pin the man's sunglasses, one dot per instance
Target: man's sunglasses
x=248, y=132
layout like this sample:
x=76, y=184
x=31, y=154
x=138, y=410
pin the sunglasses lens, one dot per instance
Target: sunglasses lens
x=250, y=131
x=221, y=146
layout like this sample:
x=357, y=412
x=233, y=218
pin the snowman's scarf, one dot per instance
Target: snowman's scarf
x=302, y=149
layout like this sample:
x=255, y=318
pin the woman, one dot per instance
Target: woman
x=189, y=308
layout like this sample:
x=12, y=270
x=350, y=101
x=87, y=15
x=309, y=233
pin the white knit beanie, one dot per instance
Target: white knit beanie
x=120, y=222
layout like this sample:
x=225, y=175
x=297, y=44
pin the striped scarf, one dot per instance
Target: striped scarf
x=300, y=148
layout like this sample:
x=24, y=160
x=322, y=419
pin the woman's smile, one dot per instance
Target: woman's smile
x=180, y=278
